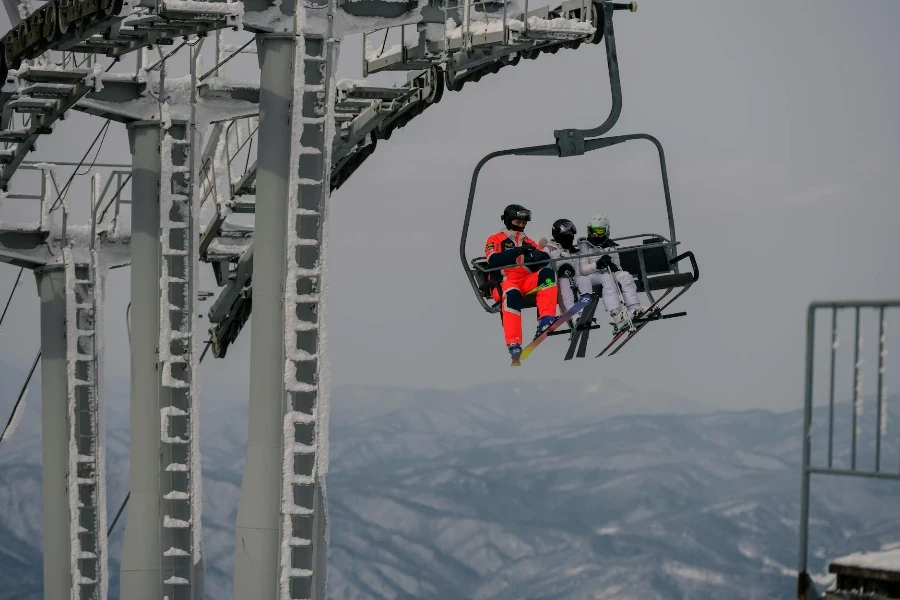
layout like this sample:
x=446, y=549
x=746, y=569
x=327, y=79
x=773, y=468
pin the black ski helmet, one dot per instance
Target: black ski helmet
x=513, y=212
x=564, y=232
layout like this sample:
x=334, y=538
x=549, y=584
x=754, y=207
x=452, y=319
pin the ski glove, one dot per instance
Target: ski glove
x=605, y=261
x=536, y=256
x=565, y=271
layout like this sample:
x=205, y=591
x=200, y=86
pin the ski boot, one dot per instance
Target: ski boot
x=636, y=311
x=543, y=324
x=515, y=351
x=620, y=323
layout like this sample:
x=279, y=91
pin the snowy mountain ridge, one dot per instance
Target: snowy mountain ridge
x=555, y=491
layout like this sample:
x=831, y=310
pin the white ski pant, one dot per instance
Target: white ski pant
x=567, y=287
x=610, y=295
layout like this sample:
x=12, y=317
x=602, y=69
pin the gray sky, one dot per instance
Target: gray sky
x=781, y=139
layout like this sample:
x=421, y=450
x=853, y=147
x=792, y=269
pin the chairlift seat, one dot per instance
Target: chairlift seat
x=660, y=274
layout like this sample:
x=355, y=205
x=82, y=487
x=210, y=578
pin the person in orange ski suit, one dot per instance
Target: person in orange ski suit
x=511, y=248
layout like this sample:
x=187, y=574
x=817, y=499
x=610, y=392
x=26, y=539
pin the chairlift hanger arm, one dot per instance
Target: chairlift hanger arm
x=570, y=141
x=571, y=136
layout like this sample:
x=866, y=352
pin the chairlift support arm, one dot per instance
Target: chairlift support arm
x=571, y=141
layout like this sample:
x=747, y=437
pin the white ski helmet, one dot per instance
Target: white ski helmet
x=598, y=229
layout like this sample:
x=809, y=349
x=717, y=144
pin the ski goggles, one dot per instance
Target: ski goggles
x=596, y=231
x=524, y=215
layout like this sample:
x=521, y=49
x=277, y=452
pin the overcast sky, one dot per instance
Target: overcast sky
x=782, y=142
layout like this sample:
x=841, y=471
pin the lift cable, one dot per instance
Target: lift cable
x=11, y=293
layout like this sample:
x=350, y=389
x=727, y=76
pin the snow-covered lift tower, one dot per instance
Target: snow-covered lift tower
x=70, y=265
x=311, y=134
x=281, y=514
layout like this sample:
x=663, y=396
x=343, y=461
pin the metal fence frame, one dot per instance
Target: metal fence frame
x=805, y=588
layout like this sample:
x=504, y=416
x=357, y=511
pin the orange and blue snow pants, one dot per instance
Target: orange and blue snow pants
x=516, y=283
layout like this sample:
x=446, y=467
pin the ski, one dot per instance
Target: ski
x=615, y=338
x=656, y=318
x=650, y=309
x=579, y=332
x=644, y=323
x=582, y=346
x=641, y=323
x=581, y=304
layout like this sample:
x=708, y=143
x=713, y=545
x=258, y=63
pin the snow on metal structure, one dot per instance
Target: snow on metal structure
x=865, y=437
x=178, y=364
x=282, y=521
x=305, y=430
x=286, y=364
x=86, y=480
x=70, y=275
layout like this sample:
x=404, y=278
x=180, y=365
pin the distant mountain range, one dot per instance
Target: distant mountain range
x=519, y=491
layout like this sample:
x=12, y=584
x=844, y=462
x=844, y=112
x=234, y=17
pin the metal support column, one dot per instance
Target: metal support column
x=141, y=555
x=51, y=282
x=281, y=547
x=256, y=548
x=182, y=560
x=803, y=581
x=87, y=458
x=304, y=540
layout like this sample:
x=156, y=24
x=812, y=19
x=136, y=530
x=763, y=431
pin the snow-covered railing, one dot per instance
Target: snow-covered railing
x=230, y=12
x=49, y=191
x=115, y=200
x=71, y=60
x=475, y=27
x=863, y=456
x=239, y=136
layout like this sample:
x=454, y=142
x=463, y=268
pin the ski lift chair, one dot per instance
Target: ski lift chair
x=654, y=262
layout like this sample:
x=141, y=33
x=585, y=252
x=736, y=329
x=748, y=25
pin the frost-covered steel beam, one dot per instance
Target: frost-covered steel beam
x=51, y=282
x=304, y=542
x=162, y=555
x=140, y=571
x=257, y=526
x=179, y=501
x=281, y=547
x=24, y=249
x=86, y=473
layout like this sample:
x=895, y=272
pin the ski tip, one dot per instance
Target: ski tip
x=516, y=363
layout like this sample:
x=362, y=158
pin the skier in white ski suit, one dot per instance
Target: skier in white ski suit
x=568, y=278
x=607, y=271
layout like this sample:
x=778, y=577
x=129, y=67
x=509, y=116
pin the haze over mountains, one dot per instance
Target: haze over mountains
x=557, y=490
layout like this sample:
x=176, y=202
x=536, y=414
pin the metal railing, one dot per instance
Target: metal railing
x=238, y=135
x=52, y=197
x=70, y=60
x=49, y=192
x=880, y=310
x=99, y=197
